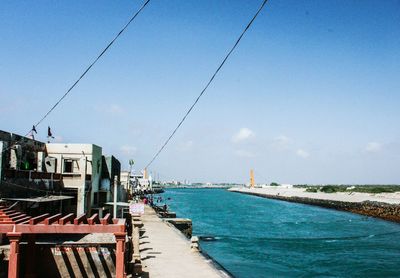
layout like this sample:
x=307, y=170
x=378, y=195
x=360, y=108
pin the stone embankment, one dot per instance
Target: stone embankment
x=383, y=210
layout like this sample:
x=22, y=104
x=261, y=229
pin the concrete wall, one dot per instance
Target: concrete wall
x=125, y=179
x=96, y=170
x=29, y=149
x=182, y=224
x=111, y=169
x=87, y=159
x=2, y=147
x=76, y=151
x=125, y=186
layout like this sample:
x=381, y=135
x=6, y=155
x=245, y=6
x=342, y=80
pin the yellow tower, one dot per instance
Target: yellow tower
x=251, y=178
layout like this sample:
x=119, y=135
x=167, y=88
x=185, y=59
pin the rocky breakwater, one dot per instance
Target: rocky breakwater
x=374, y=207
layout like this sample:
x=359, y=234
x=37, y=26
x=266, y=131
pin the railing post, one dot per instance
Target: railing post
x=136, y=264
x=13, y=263
x=135, y=236
x=120, y=255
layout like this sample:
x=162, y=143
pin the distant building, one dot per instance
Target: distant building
x=286, y=185
x=126, y=181
x=141, y=183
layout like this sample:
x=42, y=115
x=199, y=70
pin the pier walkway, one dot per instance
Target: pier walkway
x=165, y=252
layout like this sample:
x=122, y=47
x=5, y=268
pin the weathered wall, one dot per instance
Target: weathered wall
x=93, y=153
x=182, y=224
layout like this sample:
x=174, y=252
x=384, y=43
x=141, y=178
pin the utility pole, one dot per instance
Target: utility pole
x=131, y=162
x=115, y=196
x=81, y=197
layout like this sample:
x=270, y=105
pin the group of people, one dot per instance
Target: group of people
x=150, y=200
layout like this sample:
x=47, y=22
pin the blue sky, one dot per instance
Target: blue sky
x=311, y=94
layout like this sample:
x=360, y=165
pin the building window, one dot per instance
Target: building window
x=70, y=166
x=95, y=198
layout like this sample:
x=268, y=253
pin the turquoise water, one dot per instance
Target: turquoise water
x=257, y=237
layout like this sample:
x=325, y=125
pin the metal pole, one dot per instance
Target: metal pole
x=115, y=196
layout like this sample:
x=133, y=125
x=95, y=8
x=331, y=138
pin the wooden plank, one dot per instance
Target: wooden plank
x=15, y=213
x=8, y=210
x=94, y=219
x=80, y=219
x=52, y=219
x=67, y=229
x=38, y=219
x=22, y=220
x=68, y=218
x=5, y=228
x=60, y=229
x=106, y=219
x=7, y=222
x=15, y=218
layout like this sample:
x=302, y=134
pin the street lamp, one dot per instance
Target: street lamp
x=131, y=162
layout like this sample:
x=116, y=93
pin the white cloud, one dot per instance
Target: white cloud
x=112, y=109
x=128, y=150
x=373, y=147
x=115, y=109
x=243, y=135
x=281, y=142
x=243, y=153
x=186, y=146
x=302, y=153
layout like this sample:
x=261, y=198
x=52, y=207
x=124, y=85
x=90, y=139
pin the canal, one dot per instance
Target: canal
x=256, y=237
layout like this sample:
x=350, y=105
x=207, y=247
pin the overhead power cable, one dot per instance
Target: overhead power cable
x=85, y=72
x=92, y=64
x=207, y=85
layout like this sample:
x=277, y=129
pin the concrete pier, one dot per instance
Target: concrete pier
x=182, y=224
x=165, y=252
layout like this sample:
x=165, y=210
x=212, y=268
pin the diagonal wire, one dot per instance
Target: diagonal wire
x=92, y=64
x=84, y=73
x=208, y=84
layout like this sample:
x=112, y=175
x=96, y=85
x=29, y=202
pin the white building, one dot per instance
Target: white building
x=80, y=166
x=286, y=185
x=126, y=180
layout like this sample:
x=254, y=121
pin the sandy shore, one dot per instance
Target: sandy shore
x=354, y=197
